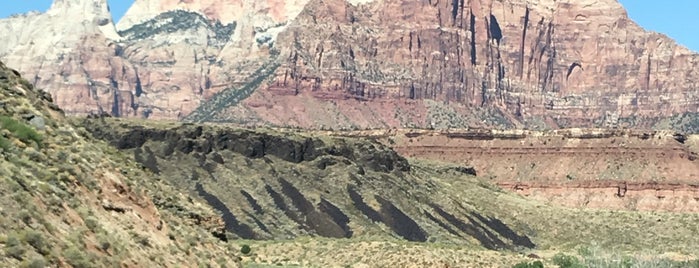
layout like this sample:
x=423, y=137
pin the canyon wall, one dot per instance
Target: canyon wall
x=367, y=64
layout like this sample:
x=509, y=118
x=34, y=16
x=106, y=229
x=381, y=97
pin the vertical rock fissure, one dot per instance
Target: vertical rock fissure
x=648, y=68
x=139, y=87
x=494, y=29
x=454, y=11
x=524, y=38
x=548, y=74
x=472, y=28
x=116, y=104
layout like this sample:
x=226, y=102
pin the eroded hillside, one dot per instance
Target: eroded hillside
x=334, y=192
x=69, y=200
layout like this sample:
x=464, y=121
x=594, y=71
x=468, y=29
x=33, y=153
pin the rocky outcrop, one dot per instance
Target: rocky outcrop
x=270, y=185
x=337, y=63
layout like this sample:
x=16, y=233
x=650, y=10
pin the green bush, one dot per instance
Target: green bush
x=5, y=144
x=76, y=258
x=20, y=130
x=245, y=249
x=535, y=264
x=13, y=247
x=34, y=262
x=36, y=240
x=565, y=261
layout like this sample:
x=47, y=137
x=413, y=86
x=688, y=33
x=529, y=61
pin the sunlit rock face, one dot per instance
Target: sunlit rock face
x=391, y=63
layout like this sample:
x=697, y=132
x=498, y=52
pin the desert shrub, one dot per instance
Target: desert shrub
x=26, y=84
x=76, y=258
x=14, y=247
x=36, y=240
x=91, y=223
x=566, y=261
x=535, y=264
x=35, y=262
x=5, y=145
x=20, y=130
x=245, y=249
x=104, y=241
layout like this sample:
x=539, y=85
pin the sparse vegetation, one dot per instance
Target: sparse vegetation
x=58, y=199
x=5, y=144
x=20, y=130
x=77, y=258
x=567, y=261
x=231, y=96
x=35, y=261
x=534, y=264
x=180, y=20
x=14, y=247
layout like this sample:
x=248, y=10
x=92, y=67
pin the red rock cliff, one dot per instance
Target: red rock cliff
x=362, y=63
x=564, y=63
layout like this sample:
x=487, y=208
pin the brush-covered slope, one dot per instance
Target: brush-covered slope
x=282, y=184
x=70, y=200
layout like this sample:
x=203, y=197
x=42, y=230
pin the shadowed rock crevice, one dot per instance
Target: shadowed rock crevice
x=442, y=224
x=259, y=223
x=505, y=231
x=486, y=230
x=322, y=223
x=454, y=10
x=572, y=67
x=524, y=39
x=472, y=29
x=232, y=224
x=359, y=204
x=253, y=203
x=281, y=205
x=470, y=230
x=399, y=222
x=337, y=215
x=495, y=30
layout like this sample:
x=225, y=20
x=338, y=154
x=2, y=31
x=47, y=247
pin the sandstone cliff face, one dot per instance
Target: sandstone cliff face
x=363, y=63
x=558, y=63
x=66, y=51
x=160, y=66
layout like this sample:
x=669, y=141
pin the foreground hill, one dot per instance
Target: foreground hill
x=359, y=63
x=70, y=200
